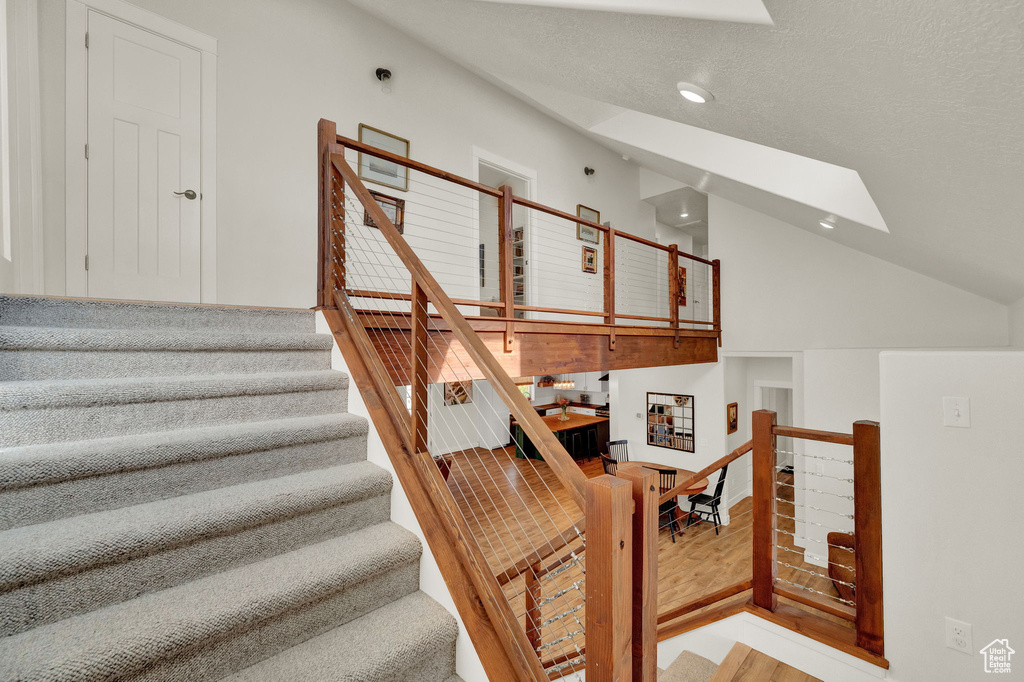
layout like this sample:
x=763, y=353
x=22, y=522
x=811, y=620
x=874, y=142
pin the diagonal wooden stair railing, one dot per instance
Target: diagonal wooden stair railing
x=511, y=642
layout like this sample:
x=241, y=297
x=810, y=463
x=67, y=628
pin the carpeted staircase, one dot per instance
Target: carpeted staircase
x=183, y=497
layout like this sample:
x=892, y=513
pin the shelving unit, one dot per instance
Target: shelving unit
x=519, y=265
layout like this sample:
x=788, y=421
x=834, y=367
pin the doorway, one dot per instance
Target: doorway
x=494, y=171
x=140, y=223
x=779, y=399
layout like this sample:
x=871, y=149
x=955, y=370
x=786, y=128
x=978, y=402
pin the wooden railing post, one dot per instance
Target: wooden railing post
x=327, y=134
x=531, y=597
x=867, y=522
x=418, y=383
x=609, y=563
x=609, y=285
x=716, y=296
x=764, y=505
x=673, y=290
x=506, y=228
x=645, y=490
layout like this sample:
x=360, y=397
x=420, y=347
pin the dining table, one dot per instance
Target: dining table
x=681, y=475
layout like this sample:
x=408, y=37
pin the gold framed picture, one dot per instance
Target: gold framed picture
x=586, y=233
x=394, y=209
x=458, y=393
x=732, y=417
x=383, y=171
x=589, y=260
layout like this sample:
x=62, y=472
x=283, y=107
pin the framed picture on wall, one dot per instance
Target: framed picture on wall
x=585, y=233
x=589, y=260
x=382, y=171
x=682, y=286
x=394, y=209
x=732, y=417
x=458, y=393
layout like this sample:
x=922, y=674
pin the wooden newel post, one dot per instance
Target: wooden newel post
x=764, y=488
x=531, y=597
x=673, y=285
x=716, y=296
x=609, y=502
x=645, y=493
x=418, y=378
x=609, y=285
x=506, y=202
x=327, y=135
x=867, y=523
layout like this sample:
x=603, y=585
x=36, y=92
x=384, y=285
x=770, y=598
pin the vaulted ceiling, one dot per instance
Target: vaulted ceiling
x=924, y=100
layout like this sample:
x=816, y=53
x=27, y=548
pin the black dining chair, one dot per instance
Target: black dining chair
x=709, y=501
x=610, y=465
x=618, y=450
x=667, y=482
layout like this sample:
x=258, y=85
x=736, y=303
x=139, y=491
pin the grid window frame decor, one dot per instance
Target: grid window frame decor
x=670, y=421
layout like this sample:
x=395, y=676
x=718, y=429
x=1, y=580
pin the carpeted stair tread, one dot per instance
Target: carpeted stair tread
x=392, y=644
x=74, y=340
x=56, y=462
x=688, y=667
x=31, y=311
x=20, y=395
x=126, y=638
x=45, y=551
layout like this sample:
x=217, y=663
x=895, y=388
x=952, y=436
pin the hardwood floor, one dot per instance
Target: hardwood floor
x=514, y=506
x=744, y=664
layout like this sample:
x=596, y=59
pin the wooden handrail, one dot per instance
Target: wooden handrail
x=811, y=434
x=703, y=473
x=546, y=549
x=547, y=444
x=396, y=296
x=415, y=165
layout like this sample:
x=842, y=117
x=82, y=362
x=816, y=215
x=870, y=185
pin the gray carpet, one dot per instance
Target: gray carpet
x=183, y=496
x=688, y=667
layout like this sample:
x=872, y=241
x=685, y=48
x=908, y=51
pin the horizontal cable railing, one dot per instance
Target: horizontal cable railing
x=504, y=506
x=497, y=254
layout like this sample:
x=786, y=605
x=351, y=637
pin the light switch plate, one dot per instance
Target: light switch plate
x=956, y=412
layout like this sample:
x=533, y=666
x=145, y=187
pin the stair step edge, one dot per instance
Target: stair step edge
x=45, y=551
x=78, y=339
x=47, y=463
x=100, y=644
x=23, y=395
x=377, y=646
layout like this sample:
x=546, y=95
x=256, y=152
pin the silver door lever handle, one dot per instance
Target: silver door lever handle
x=188, y=194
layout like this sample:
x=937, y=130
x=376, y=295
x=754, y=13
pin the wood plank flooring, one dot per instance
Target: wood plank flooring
x=744, y=664
x=513, y=506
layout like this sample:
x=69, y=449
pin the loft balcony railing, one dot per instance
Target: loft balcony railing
x=554, y=570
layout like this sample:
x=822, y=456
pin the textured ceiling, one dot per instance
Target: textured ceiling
x=924, y=99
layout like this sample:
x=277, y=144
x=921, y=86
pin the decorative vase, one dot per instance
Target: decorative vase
x=565, y=415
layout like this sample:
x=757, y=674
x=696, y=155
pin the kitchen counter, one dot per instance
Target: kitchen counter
x=594, y=432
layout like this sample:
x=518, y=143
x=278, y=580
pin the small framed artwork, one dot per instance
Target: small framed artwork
x=732, y=417
x=585, y=233
x=382, y=171
x=670, y=421
x=458, y=393
x=682, y=286
x=589, y=260
x=394, y=209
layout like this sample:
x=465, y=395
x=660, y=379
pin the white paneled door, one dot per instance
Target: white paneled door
x=144, y=164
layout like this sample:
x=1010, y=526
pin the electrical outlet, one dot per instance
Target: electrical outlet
x=958, y=636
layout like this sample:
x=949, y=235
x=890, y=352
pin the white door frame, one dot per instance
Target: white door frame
x=76, y=134
x=524, y=173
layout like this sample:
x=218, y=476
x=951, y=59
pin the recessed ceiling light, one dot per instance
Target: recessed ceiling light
x=827, y=225
x=684, y=215
x=694, y=93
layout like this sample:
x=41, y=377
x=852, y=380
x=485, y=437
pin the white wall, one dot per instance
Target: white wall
x=786, y=289
x=282, y=65
x=468, y=665
x=628, y=397
x=951, y=509
x=1017, y=324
